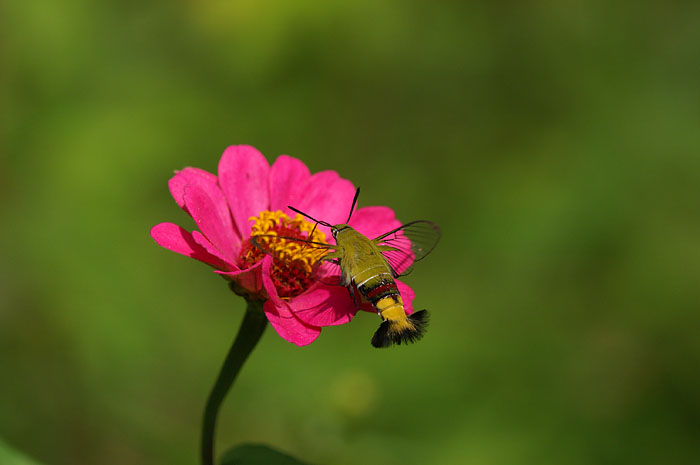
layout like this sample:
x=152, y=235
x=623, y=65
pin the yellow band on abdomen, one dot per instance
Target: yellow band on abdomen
x=391, y=308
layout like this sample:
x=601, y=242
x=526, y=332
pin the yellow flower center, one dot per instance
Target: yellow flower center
x=284, y=239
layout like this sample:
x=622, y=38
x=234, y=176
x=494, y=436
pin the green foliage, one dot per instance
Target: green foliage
x=256, y=454
x=556, y=144
x=9, y=456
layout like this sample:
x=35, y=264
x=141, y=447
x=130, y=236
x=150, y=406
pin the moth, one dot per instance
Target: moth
x=371, y=266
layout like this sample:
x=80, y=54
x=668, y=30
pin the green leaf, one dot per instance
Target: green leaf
x=257, y=454
x=9, y=456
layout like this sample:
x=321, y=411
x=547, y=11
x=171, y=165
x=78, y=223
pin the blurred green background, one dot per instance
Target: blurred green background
x=557, y=144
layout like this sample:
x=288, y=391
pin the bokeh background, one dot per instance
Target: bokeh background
x=556, y=143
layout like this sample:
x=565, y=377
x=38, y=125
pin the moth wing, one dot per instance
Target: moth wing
x=409, y=243
x=329, y=272
x=286, y=250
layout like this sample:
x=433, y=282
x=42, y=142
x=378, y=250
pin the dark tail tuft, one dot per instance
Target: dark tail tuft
x=401, y=331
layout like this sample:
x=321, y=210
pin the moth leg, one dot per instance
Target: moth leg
x=333, y=257
x=351, y=289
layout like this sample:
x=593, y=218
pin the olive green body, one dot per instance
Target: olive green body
x=364, y=266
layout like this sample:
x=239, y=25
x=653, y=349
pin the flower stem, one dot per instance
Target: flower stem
x=252, y=328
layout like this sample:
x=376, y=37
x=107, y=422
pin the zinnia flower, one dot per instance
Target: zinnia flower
x=250, y=197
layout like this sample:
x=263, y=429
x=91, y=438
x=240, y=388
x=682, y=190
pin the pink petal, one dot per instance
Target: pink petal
x=196, y=176
x=324, y=305
x=288, y=179
x=327, y=197
x=365, y=304
x=249, y=279
x=173, y=237
x=209, y=247
x=213, y=219
x=374, y=221
x=267, y=282
x=287, y=325
x=407, y=295
x=243, y=177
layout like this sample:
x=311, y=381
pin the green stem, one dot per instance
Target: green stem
x=252, y=328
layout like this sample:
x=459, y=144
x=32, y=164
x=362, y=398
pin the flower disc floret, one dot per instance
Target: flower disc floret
x=293, y=261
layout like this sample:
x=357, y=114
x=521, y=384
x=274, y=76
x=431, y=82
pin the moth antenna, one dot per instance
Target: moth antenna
x=354, y=201
x=313, y=231
x=310, y=217
x=310, y=236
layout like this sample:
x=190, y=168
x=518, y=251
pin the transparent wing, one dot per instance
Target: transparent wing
x=328, y=272
x=410, y=243
x=301, y=256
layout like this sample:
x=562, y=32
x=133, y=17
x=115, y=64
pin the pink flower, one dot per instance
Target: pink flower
x=251, y=197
